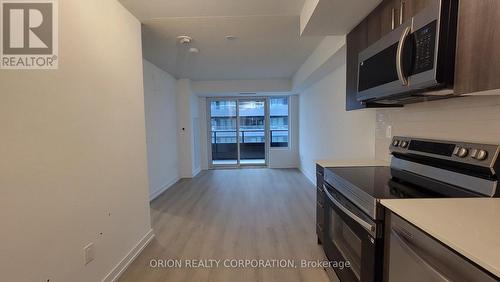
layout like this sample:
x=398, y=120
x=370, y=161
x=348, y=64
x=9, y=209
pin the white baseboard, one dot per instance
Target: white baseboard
x=129, y=258
x=162, y=189
x=284, y=166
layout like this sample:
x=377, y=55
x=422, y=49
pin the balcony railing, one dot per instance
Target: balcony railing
x=252, y=144
x=278, y=143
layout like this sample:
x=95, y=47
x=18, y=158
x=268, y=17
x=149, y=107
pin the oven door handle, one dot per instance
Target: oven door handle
x=399, y=56
x=368, y=226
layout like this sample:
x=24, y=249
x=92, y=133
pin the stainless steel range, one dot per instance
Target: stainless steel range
x=420, y=168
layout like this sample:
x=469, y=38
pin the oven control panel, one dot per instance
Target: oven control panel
x=484, y=155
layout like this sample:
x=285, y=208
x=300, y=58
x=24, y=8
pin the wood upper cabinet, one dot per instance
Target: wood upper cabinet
x=387, y=16
x=377, y=24
x=410, y=8
x=382, y=20
x=477, y=64
x=390, y=14
x=356, y=42
x=478, y=59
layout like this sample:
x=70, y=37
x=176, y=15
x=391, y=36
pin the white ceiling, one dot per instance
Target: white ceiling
x=268, y=44
x=151, y=9
x=334, y=17
x=266, y=47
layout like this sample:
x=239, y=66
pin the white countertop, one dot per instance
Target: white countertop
x=342, y=163
x=469, y=226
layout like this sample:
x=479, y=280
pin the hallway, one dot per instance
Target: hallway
x=263, y=214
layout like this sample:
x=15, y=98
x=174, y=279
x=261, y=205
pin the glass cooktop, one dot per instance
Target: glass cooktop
x=365, y=186
x=379, y=183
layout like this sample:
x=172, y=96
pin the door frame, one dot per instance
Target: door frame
x=238, y=164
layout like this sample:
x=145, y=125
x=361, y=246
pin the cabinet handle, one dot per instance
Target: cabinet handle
x=393, y=13
x=401, y=12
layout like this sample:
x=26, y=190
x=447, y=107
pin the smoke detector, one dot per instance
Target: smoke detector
x=185, y=40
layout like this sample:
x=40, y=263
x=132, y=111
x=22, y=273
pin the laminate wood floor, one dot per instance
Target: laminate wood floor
x=261, y=214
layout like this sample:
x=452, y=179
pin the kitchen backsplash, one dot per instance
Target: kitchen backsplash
x=473, y=119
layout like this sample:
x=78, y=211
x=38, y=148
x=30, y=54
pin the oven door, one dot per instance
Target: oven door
x=351, y=237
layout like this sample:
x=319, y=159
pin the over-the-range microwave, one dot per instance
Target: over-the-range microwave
x=413, y=63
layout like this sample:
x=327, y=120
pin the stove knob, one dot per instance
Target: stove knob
x=462, y=152
x=404, y=144
x=481, y=155
x=395, y=143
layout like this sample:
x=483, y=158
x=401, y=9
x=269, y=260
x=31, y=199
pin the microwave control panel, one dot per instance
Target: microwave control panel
x=425, y=43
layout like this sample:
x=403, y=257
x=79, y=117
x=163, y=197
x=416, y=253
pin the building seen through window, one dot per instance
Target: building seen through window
x=278, y=118
x=252, y=122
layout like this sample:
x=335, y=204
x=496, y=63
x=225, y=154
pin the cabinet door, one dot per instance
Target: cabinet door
x=478, y=60
x=382, y=20
x=414, y=256
x=371, y=29
x=410, y=8
x=390, y=14
x=356, y=42
x=320, y=202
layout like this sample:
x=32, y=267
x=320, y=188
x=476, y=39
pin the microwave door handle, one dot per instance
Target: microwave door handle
x=369, y=227
x=399, y=56
x=416, y=254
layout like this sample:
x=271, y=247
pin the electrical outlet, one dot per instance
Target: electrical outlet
x=88, y=253
x=388, y=132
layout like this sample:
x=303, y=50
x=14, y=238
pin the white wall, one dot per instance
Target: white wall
x=288, y=157
x=196, y=138
x=471, y=119
x=327, y=130
x=73, y=151
x=306, y=13
x=188, y=130
x=184, y=123
x=161, y=128
x=202, y=109
x=234, y=87
x=329, y=54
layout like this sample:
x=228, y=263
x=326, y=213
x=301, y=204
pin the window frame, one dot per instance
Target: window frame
x=289, y=145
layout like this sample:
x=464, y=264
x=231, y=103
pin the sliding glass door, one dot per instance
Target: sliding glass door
x=237, y=132
x=223, y=124
x=252, y=131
